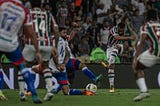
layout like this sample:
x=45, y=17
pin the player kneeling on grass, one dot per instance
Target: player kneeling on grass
x=57, y=65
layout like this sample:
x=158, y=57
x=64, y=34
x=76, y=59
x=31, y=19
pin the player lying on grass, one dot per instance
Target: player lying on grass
x=58, y=67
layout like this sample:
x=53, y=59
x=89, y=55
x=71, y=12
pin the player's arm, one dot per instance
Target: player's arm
x=140, y=44
x=130, y=27
x=61, y=55
x=28, y=30
x=54, y=27
x=55, y=55
x=117, y=37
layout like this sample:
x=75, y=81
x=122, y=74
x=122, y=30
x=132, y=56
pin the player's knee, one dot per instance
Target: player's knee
x=45, y=65
x=82, y=65
x=139, y=74
x=65, y=90
x=28, y=64
x=140, y=66
x=111, y=66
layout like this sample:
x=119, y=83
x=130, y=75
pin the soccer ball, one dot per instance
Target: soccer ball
x=91, y=87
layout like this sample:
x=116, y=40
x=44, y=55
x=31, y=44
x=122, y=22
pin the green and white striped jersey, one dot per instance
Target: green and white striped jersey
x=152, y=29
x=43, y=24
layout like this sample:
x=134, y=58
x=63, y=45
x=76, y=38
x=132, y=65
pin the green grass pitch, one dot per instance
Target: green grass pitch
x=122, y=97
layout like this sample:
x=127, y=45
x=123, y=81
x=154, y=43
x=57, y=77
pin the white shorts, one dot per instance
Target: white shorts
x=111, y=49
x=29, y=52
x=111, y=59
x=147, y=59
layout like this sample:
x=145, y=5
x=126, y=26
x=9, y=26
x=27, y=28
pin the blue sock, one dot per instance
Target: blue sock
x=29, y=81
x=75, y=92
x=33, y=76
x=1, y=80
x=89, y=73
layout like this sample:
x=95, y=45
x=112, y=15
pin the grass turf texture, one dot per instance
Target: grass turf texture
x=122, y=97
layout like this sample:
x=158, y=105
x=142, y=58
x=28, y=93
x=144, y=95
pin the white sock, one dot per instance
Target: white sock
x=21, y=82
x=48, y=79
x=141, y=84
x=111, y=77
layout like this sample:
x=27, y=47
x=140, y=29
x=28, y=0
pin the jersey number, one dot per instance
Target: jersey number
x=40, y=26
x=7, y=21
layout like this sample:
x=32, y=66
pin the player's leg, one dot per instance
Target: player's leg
x=25, y=91
x=30, y=83
x=21, y=84
x=111, y=54
x=29, y=56
x=140, y=81
x=64, y=84
x=75, y=64
x=67, y=91
x=46, y=72
x=18, y=60
x=144, y=60
x=33, y=75
x=89, y=73
x=48, y=79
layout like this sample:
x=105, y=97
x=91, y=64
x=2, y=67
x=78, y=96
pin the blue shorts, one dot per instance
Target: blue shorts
x=15, y=57
x=61, y=78
x=71, y=66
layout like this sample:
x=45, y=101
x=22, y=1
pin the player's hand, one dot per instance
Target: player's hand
x=37, y=68
x=54, y=52
x=61, y=67
x=134, y=64
x=104, y=64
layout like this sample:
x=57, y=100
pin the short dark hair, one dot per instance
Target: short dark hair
x=62, y=28
x=121, y=25
x=36, y=3
x=45, y=4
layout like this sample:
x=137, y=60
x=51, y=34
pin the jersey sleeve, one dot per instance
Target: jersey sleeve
x=28, y=18
x=54, y=24
x=143, y=29
x=61, y=50
x=114, y=31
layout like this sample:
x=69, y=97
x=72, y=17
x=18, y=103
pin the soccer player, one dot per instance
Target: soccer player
x=13, y=17
x=44, y=26
x=58, y=65
x=150, y=32
x=115, y=46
